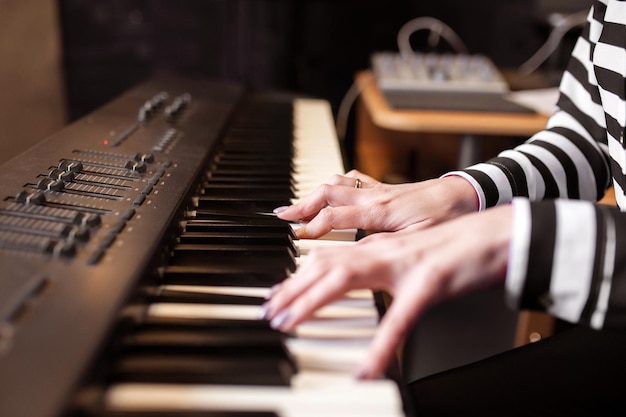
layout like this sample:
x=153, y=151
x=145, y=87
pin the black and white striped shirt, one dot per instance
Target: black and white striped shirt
x=568, y=255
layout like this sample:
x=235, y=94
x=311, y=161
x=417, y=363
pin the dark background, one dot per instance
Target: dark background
x=307, y=46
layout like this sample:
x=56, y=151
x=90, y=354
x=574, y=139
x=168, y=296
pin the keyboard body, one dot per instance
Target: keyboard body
x=95, y=212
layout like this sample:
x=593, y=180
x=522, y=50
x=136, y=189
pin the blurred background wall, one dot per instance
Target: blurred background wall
x=32, y=91
x=63, y=58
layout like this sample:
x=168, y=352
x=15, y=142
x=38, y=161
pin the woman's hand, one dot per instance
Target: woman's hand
x=419, y=267
x=379, y=207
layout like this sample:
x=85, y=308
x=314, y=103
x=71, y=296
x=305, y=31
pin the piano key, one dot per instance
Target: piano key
x=330, y=322
x=231, y=290
x=255, y=165
x=247, y=151
x=329, y=397
x=183, y=339
x=260, y=191
x=255, y=217
x=167, y=295
x=251, y=275
x=201, y=369
x=259, y=256
x=328, y=313
x=305, y=245
x=355, y=298
x=251, y=325
x=216, y=178
x=249, y=237
x=253, y=203
x=232, y=226
x=175, y=413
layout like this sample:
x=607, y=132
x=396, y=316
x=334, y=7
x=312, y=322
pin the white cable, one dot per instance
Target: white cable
x=561, y=27
x=437, y=29
x=343, y=112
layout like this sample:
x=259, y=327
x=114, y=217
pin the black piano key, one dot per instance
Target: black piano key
x=199, y=369
x=245, y=152
x=189, y=339
x=250, y=181
x=221, y=255
x=230, y=275
x=252, y=167
x=174, y=296
x=207, y=323
x=238, y=173
x=224, y=337
x=265, y=203
x=239, y=238
x=236, y=216
x=257, y=135
x=247, y=190
x=224, y=226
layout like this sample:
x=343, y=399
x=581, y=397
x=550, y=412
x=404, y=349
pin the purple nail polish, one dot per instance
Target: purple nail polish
x=264, y=311
x=360, y=374
x=280, y=319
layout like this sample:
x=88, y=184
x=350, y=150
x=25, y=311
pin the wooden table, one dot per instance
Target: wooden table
x=384, y=133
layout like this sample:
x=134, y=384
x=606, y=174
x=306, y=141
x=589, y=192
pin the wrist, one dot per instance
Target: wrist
x=465, y=198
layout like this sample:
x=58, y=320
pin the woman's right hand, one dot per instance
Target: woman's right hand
x=376, y=206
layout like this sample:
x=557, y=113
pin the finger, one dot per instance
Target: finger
x=347, y=181
x=363, y=177
x=333, y=218
x=324, y=196
x=323, y=291
x=307, y=274
x=390, y=334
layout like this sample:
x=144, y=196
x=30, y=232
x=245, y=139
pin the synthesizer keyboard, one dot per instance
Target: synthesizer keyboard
x=136, y=248
x=436, y=81
x=437, y=72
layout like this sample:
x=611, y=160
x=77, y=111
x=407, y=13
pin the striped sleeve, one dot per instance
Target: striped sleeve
x=569, y=158
x=565, y=259
x=567, y=255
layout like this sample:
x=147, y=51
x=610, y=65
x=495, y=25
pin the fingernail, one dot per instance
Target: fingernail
x=263, y=312
x=360, y=374
x=280, y=209
x=364, y=373
x=280, y=319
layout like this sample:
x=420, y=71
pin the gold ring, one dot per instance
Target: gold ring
x=357, y=183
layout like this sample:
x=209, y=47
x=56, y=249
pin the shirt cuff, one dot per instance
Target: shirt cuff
x=477, y=188
x=518, y=252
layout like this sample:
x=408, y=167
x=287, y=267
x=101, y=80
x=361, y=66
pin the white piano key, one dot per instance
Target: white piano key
x=203, y=311
x=348, y=235
x=354, y=298
x=325, y=354
x=332, y=313
x=305, y=245
x=328, y=397
x=212, y=289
